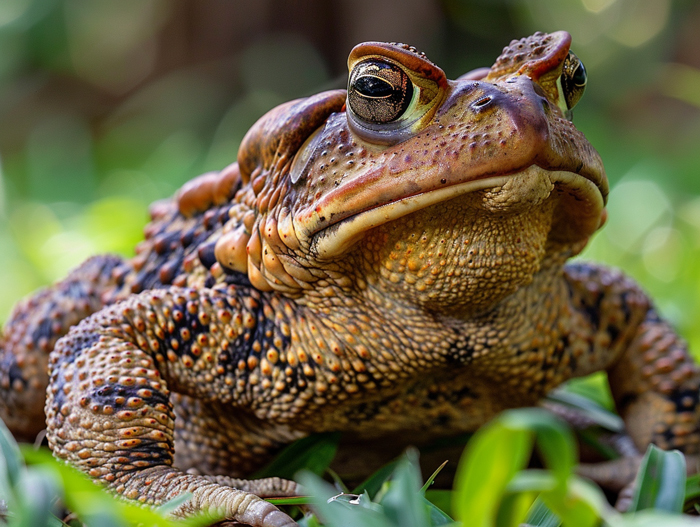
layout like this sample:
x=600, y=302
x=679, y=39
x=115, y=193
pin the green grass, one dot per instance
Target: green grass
x=36, y=488
x=493, y=486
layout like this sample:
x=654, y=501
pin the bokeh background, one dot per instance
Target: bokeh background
x=108, y=105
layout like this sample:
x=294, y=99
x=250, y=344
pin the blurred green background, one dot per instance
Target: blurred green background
x=108, y=105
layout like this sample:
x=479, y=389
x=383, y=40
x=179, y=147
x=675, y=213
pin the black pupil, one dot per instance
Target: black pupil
x=375, y=87
x=379, y=92
x=579, y=76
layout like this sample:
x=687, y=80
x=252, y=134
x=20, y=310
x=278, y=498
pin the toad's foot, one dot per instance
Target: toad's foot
x=215, y=495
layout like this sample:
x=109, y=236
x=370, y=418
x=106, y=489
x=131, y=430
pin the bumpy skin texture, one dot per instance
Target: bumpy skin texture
x=399, y=278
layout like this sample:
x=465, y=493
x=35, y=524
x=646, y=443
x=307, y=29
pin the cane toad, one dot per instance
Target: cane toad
x=383, y=260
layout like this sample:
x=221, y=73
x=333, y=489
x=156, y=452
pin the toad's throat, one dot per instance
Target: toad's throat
x=334, y=235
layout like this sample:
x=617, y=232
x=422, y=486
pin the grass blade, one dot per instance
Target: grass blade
x=337, y=513
x=373, y=483
x=10, y=453
x=403, y=502
x=661, y=481
x=313, y=453
x=432, y=477
x=591, y=409
x=540, y=515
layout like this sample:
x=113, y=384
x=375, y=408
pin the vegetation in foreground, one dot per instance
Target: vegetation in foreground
x=493, y=486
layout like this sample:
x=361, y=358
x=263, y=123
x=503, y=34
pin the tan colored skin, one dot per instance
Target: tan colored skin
x=376, y=279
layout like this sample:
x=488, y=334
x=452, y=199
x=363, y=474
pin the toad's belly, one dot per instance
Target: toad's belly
x=426, y=409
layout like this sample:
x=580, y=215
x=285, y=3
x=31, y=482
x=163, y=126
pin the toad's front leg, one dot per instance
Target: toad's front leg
x=109, y=407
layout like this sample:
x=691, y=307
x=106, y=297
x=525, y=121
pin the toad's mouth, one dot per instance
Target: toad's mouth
x=578, y=214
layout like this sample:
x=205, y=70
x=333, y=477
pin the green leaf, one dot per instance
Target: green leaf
x=532, y=480
x=295, y=500
x=11, y=457
x=514, y=508
x=598, y=440
x=36, y=498
x=309, y=520
x=661, y=481
x=594, y=388
x=94, y=506
x=373, y=483
x=582, y=506
x=492, y=457
x=692, y=491
x=651, y=518
x=313, y=453
x=337, y=513
x=589, y=408
x=441, y=498
x=90, y=503
x=488, y=476
x=437, y=515
x=555, y=441
x=540, y=515
x=403, y=502
x=337, y=481
x=169, y=506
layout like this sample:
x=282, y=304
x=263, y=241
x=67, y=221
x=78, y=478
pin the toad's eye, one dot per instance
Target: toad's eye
x=573, y=80
x=379, y=92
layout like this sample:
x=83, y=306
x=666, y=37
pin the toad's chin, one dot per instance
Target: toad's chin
x=579, y=211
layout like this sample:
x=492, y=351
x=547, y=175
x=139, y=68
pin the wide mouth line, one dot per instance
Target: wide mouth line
x=457, y=188
x=333, y=238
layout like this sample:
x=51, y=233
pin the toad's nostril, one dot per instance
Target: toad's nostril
x=483, y=102
x=546, y=107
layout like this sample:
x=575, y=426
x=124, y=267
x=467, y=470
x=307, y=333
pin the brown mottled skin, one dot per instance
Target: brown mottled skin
x=382, y=263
